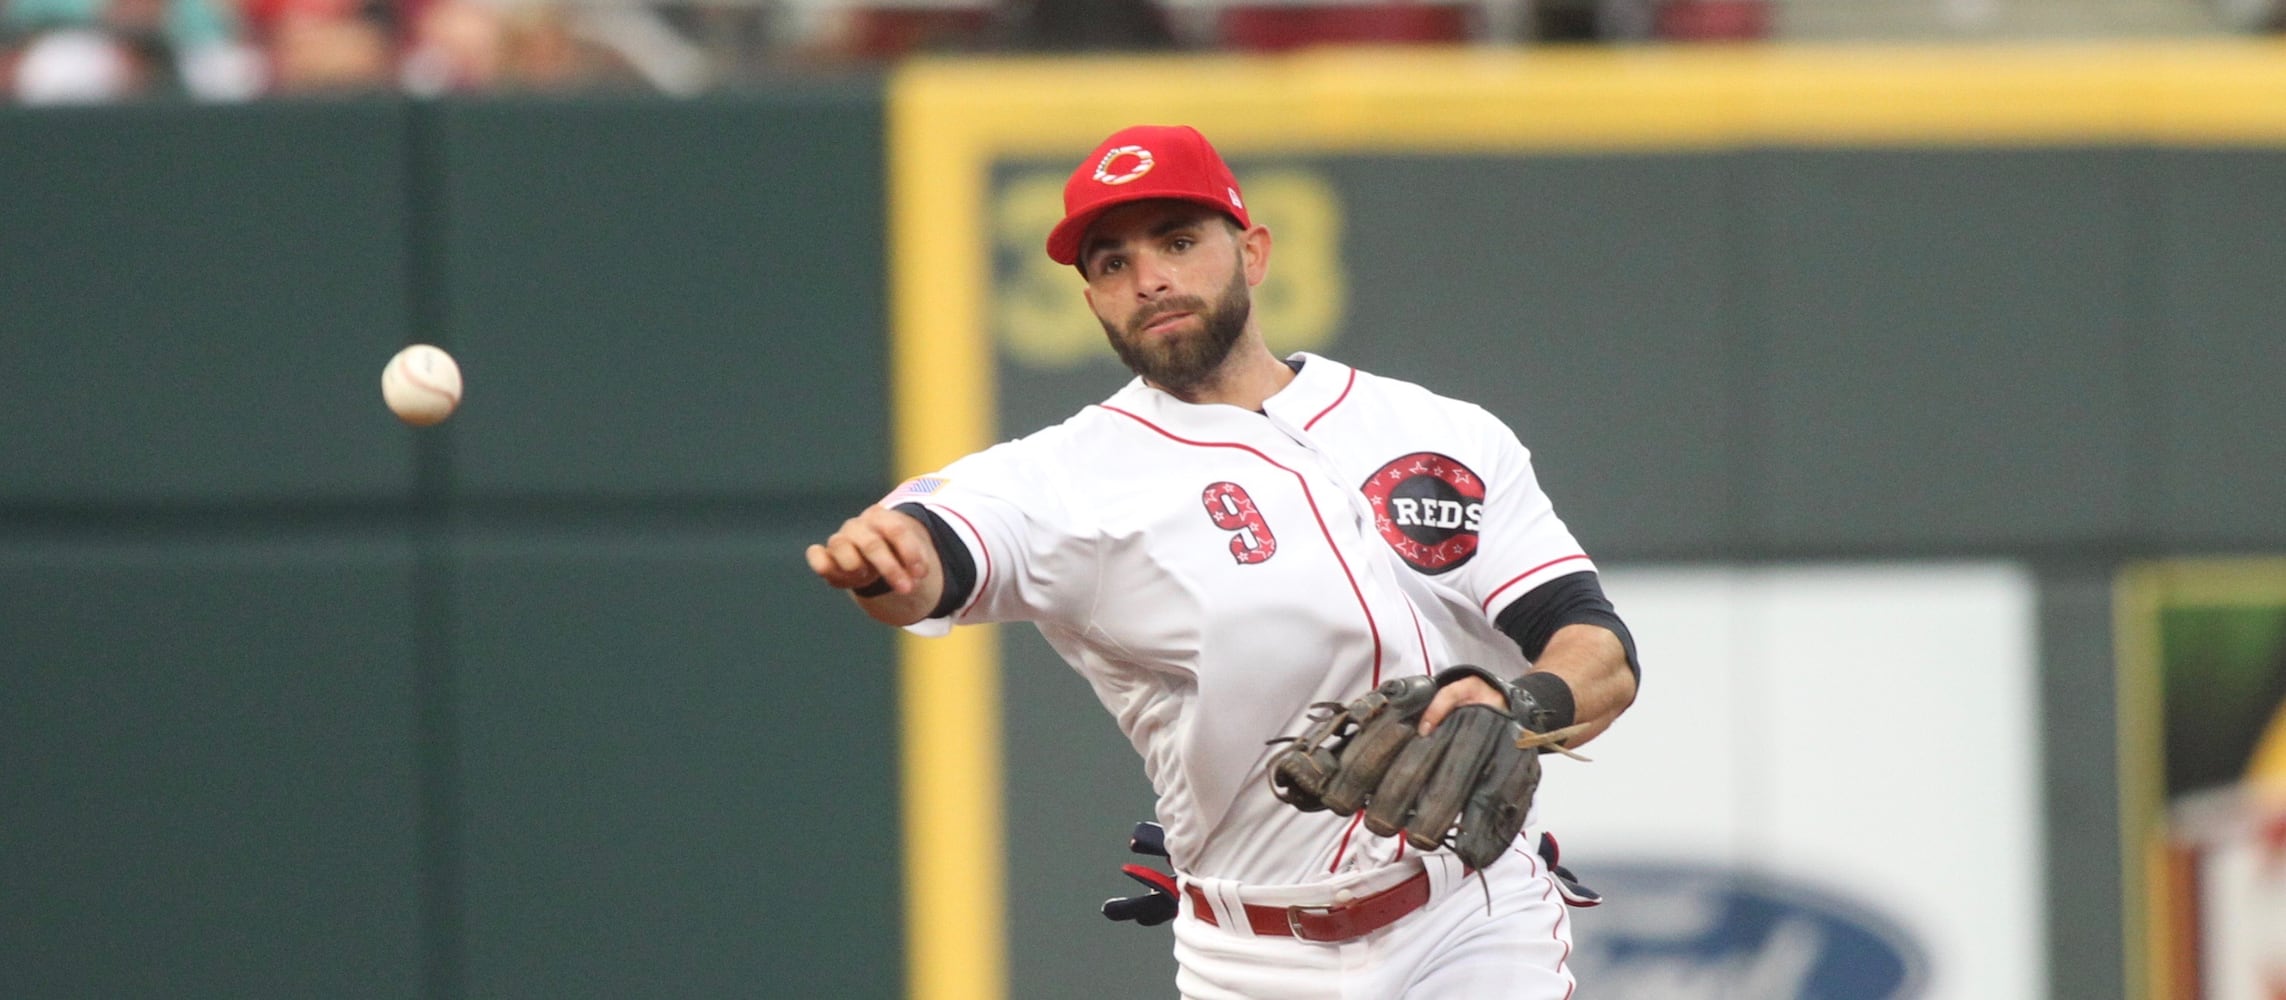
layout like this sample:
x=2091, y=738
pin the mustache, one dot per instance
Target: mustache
x=1185, y=303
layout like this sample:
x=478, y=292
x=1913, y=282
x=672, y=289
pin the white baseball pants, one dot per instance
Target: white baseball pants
x=1454, y=948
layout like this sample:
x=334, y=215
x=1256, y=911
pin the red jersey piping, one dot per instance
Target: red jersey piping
x=1519, y=578
x=1351, y=384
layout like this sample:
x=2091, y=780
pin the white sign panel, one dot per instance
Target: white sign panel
x=1828, y=789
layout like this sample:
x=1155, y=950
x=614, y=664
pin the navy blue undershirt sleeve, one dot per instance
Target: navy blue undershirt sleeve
x=1572, y=599
x=959, y=568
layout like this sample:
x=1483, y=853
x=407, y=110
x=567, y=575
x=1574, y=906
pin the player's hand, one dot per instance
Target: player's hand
x=878, y=544
x=1464, y=691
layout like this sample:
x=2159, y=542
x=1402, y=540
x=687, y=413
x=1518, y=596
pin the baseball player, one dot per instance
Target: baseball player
x=1231, y=542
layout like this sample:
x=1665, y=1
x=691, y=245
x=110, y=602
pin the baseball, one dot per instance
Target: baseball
x=421, y=385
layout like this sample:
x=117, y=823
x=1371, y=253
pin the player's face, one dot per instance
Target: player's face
x=1169, y=285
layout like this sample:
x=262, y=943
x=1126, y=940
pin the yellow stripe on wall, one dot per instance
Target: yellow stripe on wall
x=949, y=121
x=2136, y=599
x=948, y=688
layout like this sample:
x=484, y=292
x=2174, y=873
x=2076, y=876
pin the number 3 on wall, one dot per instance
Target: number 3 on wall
x=1233, y=510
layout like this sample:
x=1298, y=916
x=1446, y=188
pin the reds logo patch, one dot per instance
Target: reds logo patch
x=1429, y=508
x=1140, y=165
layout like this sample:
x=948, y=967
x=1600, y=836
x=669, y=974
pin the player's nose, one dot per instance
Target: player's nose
x=1153, y=278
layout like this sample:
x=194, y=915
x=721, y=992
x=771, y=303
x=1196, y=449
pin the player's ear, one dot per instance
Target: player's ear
x=1254, y=253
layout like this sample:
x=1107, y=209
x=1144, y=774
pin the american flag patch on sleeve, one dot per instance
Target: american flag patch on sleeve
x=920, y=486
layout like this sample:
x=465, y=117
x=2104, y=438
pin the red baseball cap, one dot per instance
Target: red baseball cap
x=1138, y=163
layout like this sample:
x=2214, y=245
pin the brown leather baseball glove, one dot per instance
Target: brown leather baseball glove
x=1466, y=786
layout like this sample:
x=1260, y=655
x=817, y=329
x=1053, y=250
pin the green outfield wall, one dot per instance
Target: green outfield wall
x=296, y=701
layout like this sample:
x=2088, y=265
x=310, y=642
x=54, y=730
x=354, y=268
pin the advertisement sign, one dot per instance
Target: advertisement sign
x=1829, y=789
x=1691, y=931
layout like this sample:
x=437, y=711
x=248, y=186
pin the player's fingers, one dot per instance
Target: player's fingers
x=913, y=547
x=883, y=558
x=835, y=561
x=820, y=563
x=838, y=564
x=905, y=535
x=1466, y=691
x=1439, y=707
x=856, y=550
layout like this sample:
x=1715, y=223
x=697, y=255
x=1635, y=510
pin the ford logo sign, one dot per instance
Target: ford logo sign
x=1698, y=932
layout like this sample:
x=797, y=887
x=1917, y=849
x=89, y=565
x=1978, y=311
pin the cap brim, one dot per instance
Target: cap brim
x=1064, y=240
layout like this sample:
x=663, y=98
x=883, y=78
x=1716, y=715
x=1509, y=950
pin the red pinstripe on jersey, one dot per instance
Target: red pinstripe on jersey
x=1346, y=831
x=1346, y=386
x=1421, y=636
x=1373, y=626
x=1563, y=913
x=1520, y=577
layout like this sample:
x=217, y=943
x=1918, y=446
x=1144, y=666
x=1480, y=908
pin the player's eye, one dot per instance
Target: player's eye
x=1109, y=265
x=1182, y=243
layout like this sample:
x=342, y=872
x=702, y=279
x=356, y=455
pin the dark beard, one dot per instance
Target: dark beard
x=1181, y=364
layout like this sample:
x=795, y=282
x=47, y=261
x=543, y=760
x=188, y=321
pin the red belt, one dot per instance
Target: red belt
x=1340, y=922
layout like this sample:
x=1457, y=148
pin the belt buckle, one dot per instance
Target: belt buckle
x=1294, y=916
x=1294, y=922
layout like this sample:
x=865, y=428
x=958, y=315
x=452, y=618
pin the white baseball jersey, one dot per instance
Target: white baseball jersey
x=1213, y=571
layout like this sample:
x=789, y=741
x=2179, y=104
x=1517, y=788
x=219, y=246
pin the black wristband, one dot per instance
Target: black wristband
x=877, y=588
x=1541, y=701
x=1554, y=696
x=959, y=569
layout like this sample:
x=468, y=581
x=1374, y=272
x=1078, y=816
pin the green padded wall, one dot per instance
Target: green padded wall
x=208, y=768
x=2217, y=415
x=666, y=299
x=1944, y=349
x=677, y=767
x=671, y=319
x=197, y=302
x=297, y=701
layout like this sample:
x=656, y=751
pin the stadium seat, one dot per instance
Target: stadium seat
x=1281, y=26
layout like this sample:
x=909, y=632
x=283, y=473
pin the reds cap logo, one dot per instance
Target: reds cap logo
x=1143, y=164
x=1429, y=508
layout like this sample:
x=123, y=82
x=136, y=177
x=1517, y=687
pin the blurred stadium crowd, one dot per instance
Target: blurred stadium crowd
x=88, y=51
